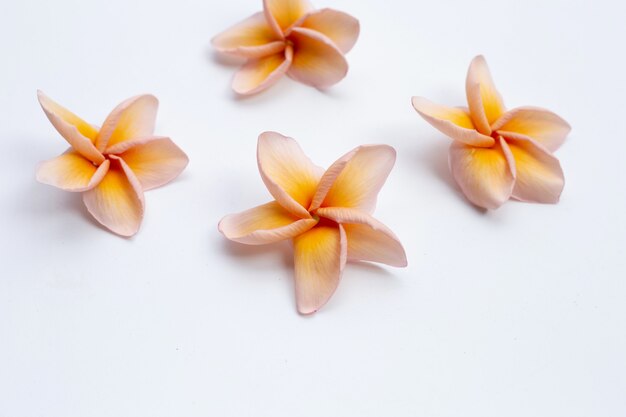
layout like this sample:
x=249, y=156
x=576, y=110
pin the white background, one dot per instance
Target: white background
x=517, y=312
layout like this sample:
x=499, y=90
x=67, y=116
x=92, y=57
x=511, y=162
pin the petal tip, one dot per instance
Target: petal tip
x=306, y=311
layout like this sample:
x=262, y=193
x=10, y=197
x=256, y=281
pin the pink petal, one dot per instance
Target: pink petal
x=117, y=201
x=339, y=27
x=542, y=125
x=355, y=179
x=486, y=175
x=539, y=177
x=251, y=38
x=317, y=61
x=268, y=223
x=485, y=102
x=155, y=161
x=78, y=133
x=260, y=74
x=71, y=172
x=368, y=239
x=134, y=118
x=452, y=122
x=281, y=14
x=319, y=256
x=287, y=172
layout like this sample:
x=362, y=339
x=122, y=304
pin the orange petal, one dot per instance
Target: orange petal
x=339, y=27
x=486, y=175
x=452, y=122
x=117, y=201
x=281, y=14
x=485, y=102
x=317, y=61
x=134, y=118
x=356, y=178
x=539, y=177
x=263, y=224
x=260, y=74
x=155, y=161
x=71, y=172
x=542, y=125
x=319, y=256
x=251, y=38
x=78, y=133
x=368, y=239
x=288, y=173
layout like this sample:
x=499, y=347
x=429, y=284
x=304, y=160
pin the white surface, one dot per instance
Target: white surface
x=518, y=312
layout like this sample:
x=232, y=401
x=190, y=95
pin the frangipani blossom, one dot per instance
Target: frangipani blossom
x=290, y=37
x=326, y=214
x=498, y=154
x=113, y=165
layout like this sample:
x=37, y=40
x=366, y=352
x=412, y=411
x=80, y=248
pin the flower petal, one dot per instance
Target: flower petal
x=317, y=61
x=251, y=38
x=117, y=201
x=542, y=125
x=287, y=172
x=486, y=175
x=452, y=122
x=339, y=27
x=133, y=118
x=319, y=257
x=355, y=179
x=78, y=133
x=539, y=177
x=260, y=74
x=71, y=172
x=263, y=224
x=485, y=102
x=368, y=239
x=281, y=14
x=155, y=161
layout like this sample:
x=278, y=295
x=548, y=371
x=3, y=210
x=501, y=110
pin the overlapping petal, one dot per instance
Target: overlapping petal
x=251, y=38
x=355, y=179
x=263, y=224
x=542, y=125
x=484, y=100
x=71, y=172
x=78, y=133
x=486, y=175
x=453, y=122
x=317, y=61
x=117, y=201
x=155, y=160
x=133, y=118
x=281, y=14
x=368, y=239
x=287, y=172
x=539, y=177
x=339, y=27
x=259, y=74
x=319, y=257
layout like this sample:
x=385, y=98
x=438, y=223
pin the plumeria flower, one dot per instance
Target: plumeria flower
x=113, y=165
x=498, y=154
x=327, y=214
x=290, y=37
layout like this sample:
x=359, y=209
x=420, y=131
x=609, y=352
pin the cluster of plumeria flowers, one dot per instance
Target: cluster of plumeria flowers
x=327, y=214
